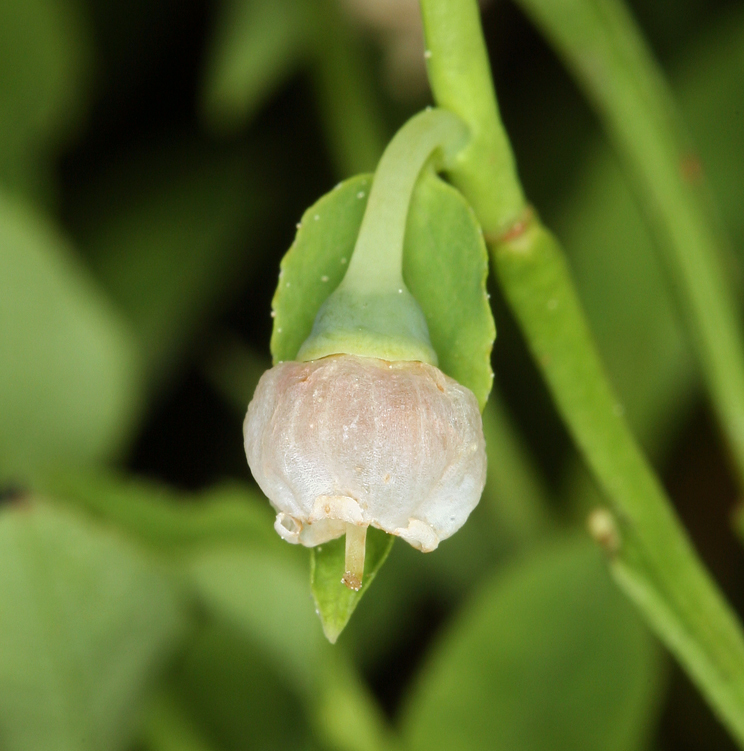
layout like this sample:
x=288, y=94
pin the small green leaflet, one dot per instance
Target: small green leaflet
x=445, y=266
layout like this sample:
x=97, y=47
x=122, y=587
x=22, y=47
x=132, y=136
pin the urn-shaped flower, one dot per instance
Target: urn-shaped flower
x=348, y=440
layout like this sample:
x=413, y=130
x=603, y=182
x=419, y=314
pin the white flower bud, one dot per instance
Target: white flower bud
x=344, y=442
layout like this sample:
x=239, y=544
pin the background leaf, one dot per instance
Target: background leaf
x=45, y=51
x=169, y=234
x=69, y=378
x=170, y=521
x=86, y=620
x=545, y=638
x=226, y=693
x=266, y=600
x=256, y=44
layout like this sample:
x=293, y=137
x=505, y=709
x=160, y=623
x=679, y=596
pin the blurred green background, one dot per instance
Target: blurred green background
x=154, y=158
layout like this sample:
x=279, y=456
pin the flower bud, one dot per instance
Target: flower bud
x=343, y=442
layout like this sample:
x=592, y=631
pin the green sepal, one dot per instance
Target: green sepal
x=389, y=326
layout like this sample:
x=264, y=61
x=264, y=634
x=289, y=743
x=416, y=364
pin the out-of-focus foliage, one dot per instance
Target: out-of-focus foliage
x=154, y=158
x=257, y=44
x=165, y=230
x=575, y=629
x=86, y=620
x=45, y=60
x=69, y=377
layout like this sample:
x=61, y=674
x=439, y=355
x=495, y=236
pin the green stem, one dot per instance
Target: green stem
x=460, y=76
x=372, y=313
x=377, y=261
x=652, y=558
x=604, y=48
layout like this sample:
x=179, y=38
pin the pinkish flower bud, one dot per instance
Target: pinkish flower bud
x=348, y=441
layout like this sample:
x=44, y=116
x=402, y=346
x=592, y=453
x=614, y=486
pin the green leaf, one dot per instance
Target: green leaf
x=224, y=690
x=548, y=657
x=68, y=381
x=334, y=601
x=256, y=45
x=710, y=87
x=85, y=621
x=170, y=728
x=166, y=520
x=265, y=599
x=316, y=263
x=445, y=266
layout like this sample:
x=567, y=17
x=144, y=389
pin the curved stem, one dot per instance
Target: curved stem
x=372, y=313
x=377, y=261
x=460, y=77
